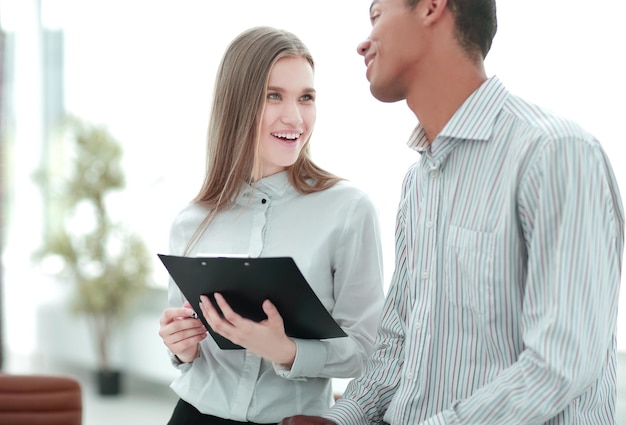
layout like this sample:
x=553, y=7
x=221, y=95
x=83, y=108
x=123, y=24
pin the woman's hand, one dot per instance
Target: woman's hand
x=181, y=333
x=266, y=338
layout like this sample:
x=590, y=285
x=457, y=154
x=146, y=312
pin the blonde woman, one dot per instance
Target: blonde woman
x=264, y=196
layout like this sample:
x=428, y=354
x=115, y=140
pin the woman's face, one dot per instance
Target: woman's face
x=289, y=114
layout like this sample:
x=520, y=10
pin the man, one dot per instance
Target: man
x=509, y=242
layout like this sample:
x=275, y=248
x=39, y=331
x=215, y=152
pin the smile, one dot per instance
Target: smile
x=288, y=136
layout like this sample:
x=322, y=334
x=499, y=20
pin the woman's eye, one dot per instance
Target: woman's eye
x=273, y=96
x=308, y=98
x=374, y=17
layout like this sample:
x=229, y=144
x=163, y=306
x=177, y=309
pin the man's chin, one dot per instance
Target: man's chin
x=387, y=96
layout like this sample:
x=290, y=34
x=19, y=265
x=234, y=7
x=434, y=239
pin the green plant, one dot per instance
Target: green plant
x=107, y=264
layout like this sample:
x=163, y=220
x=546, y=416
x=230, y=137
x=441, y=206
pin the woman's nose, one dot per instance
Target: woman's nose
x=291, y=114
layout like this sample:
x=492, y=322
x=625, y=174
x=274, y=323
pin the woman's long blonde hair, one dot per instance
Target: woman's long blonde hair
x=238, y=104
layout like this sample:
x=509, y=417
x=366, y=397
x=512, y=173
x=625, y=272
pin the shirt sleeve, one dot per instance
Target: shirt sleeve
x=367, y=398
x=359, y=296
x=175, y=297
x=572, y=221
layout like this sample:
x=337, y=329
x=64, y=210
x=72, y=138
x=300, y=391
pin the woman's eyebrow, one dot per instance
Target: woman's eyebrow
x=282, y=90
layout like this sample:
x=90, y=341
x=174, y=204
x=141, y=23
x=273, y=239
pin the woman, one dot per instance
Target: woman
x=264, y=197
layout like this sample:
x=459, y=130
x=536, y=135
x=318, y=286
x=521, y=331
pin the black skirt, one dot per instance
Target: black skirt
x=185, y=414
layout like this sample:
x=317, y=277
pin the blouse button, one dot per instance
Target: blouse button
x=263, y=201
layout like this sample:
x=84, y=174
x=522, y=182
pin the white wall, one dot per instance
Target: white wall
x=145, y=68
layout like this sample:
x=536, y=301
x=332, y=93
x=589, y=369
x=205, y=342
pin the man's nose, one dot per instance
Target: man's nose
x=363, y=46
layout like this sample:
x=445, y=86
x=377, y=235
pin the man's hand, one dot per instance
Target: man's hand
x=181, y=333
x=266, y=338
x=305, y=420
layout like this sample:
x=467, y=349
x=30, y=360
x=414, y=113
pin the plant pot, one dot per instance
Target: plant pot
x=109, y=382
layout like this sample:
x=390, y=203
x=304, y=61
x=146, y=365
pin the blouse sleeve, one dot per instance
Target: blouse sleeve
x=178, y=239
x=358, y=293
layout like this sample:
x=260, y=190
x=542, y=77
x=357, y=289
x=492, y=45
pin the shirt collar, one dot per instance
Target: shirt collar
x=474, y=120
x=275, y=186
x=418, y=140
x=276, y=183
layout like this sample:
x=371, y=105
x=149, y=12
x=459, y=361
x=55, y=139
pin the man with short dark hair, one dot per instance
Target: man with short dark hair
x=509, y=240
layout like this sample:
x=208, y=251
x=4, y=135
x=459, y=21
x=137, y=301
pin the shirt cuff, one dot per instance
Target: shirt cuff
x=183, y=367
x=309, y=362
x=346, y=412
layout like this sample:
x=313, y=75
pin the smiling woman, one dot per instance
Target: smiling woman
x=289, y=114
x=145, y=69
x=264, y=196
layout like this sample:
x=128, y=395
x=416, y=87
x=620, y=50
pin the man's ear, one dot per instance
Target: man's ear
x=434, y=9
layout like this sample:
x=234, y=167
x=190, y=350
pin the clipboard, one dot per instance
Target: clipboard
x=245, y=283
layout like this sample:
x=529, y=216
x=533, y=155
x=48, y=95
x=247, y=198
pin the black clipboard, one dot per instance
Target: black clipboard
x=245, y=283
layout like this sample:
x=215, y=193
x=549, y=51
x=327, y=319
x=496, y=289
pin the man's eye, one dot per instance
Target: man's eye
x=374, y=17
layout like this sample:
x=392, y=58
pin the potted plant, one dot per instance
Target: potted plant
x=107, y=265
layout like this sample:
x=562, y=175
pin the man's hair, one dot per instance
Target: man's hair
x=475, y=23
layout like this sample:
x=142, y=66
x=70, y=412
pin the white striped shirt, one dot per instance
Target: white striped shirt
x=503, y=304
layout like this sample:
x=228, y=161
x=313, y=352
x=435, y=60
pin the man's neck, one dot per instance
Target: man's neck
x=441, y=90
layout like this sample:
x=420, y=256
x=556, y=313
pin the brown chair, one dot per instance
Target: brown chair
x=40, y=400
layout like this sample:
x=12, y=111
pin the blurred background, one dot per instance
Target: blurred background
x=141, y=72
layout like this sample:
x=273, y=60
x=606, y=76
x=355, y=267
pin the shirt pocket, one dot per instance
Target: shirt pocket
x=469, y=269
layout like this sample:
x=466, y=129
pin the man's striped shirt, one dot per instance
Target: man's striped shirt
x=503, y=303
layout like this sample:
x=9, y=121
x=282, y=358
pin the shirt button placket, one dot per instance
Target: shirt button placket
x=429, y=275
x=259, y=222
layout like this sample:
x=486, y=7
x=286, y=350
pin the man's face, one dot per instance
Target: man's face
x=393, y=49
